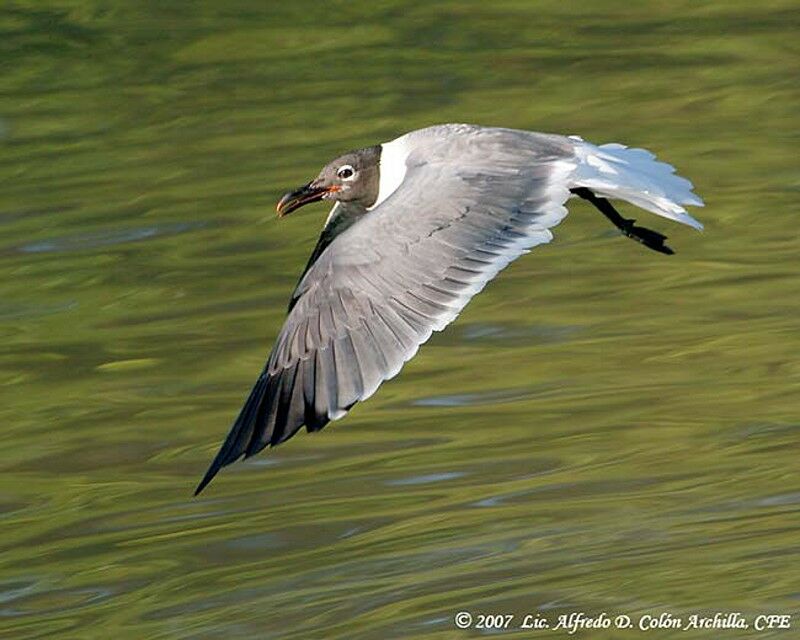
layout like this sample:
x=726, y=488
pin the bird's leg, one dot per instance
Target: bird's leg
x=649, y=238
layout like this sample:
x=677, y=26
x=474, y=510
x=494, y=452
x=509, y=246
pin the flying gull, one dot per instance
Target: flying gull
x=419, y=225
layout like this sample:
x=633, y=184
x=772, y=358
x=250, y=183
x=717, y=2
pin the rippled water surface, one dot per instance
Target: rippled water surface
x=603, y=429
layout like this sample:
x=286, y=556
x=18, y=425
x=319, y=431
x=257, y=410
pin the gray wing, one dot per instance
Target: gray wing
x=465, y=209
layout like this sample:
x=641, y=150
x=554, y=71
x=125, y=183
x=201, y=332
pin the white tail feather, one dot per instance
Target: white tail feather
x=615, y=171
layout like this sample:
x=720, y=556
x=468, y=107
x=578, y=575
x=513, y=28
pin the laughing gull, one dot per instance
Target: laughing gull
x=419, y=225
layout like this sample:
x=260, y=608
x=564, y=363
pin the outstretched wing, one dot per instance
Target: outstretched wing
x=465, y=209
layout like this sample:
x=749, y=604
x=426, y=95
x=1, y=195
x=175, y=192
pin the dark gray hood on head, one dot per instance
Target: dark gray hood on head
x=352, y=201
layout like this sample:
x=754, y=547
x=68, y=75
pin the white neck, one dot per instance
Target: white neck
x=331, y=215
x=392, y=168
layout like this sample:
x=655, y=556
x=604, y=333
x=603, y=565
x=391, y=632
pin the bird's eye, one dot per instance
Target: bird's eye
x=346, y=172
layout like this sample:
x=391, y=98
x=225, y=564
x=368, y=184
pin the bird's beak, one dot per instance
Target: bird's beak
x=310, y=192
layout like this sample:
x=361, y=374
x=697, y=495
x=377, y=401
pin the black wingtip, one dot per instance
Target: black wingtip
x=239, y=436
x=222, y=458
x=212, y=471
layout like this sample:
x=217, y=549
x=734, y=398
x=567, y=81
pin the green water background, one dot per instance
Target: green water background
x=603, y=429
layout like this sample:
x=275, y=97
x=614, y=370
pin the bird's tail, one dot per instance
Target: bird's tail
x=616, y=171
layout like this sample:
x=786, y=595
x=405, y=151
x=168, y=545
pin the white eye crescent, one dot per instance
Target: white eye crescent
x=346, y=172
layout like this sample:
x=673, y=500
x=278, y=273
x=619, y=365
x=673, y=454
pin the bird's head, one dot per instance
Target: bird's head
x=351, y=178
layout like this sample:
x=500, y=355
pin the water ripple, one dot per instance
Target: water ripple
x=427, y=478
x=110, y=237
